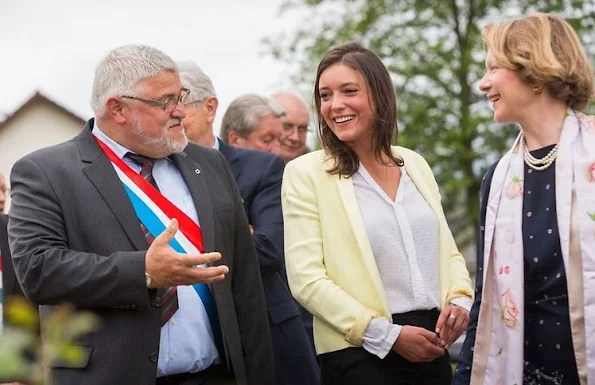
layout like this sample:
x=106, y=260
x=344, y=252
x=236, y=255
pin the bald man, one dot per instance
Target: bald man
x=295, y=124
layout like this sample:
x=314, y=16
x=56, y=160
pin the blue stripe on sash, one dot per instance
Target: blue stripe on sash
x=149, y=219
x=208, y=302
x=156, y=227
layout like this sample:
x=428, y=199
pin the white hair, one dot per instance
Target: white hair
x=123, y=70
x=193, y=78
x=245, y=113
x=279, y=96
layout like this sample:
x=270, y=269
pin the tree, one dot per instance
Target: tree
x=434, y=50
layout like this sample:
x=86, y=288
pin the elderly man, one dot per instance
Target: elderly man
x=296, y=120
x=149, y=232
x=258, y=175
x=253, y=121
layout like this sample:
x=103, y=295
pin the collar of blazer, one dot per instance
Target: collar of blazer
x=421, y=175
x=228, y=151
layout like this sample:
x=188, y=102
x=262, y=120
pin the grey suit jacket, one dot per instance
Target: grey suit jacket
x=75, y=238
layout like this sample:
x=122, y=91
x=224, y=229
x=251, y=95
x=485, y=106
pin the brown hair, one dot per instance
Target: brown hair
x=383, y=100
x=545, y=51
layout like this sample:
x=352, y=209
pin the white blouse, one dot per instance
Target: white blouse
x=404, y=236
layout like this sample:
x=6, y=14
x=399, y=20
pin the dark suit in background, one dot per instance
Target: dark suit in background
x=259, y=175
x=75, y=237
x=10, y=285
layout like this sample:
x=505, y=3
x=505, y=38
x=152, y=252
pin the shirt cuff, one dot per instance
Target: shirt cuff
x=463, y=302
x=380, y=336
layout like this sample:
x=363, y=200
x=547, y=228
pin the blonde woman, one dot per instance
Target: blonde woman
x=533, y=320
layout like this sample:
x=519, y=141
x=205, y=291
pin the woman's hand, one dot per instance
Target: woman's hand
x=452, y=322
x=417, y=344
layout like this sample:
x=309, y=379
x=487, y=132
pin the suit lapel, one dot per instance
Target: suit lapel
x=102, y=175
x=349, y=200
x=194, y=177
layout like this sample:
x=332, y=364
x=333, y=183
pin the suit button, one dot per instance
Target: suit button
x=157, y=302
x=153, y=357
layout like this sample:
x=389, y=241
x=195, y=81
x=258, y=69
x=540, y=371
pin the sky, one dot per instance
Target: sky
x=54, y=45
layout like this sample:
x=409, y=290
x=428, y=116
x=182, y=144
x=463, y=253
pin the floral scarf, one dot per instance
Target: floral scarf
x=498, y=351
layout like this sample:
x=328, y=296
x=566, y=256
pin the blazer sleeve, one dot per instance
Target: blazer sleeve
x=48, y=270
x=304, y=258
x=460, y=282
x=267, y=218
x=462, y=374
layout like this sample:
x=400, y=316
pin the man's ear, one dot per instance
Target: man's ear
x=233, y=138
x=116, y=110
x=211, y=105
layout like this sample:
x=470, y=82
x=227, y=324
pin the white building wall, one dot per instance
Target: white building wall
x=38, y=125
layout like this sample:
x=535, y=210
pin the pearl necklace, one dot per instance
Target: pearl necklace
x=539, y=164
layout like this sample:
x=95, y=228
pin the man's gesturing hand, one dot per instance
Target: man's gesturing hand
x=170, y=268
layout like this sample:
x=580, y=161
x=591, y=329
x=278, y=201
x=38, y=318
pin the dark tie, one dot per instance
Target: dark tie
x=170, y=298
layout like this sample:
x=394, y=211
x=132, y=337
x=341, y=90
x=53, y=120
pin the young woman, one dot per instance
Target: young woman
x=533, y=321
x=367, y=246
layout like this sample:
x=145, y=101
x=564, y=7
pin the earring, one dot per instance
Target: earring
x=537, y=90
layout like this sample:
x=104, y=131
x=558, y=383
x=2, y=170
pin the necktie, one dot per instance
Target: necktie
x=170, y=297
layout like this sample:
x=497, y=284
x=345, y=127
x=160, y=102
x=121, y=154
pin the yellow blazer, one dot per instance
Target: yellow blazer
x=330, y=264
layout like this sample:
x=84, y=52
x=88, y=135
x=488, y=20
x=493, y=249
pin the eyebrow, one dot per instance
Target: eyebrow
x=170, y=95
x=343, y=85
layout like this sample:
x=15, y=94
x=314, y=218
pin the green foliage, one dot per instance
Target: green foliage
x=21, y=340
x=433, y=50
x=12, y=362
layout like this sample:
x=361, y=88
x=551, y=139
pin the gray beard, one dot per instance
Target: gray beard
x=164, y=143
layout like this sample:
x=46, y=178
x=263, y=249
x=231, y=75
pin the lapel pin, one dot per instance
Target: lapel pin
x=197, y=171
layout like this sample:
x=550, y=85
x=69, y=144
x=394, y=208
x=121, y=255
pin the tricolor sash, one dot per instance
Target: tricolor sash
x=155, y=211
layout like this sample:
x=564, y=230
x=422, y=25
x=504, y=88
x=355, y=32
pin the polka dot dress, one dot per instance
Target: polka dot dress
x=549, y=354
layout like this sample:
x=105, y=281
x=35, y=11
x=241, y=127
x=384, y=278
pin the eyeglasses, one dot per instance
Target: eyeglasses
x=168, y=105
x=302, y=130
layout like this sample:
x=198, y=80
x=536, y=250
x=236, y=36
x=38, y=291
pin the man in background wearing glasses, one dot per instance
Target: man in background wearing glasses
x=296, y=120
x=130, y=221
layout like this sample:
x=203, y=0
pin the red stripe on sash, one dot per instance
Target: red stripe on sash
x=191, y=229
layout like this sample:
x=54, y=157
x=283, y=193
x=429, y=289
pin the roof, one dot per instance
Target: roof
x=39, y=97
